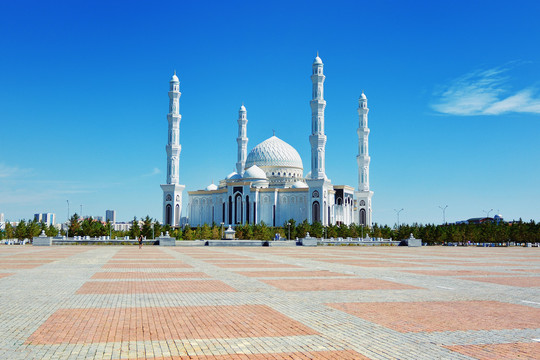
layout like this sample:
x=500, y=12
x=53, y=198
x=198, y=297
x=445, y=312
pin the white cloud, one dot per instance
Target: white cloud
x=155, y=171
x=11, y=171
x=485, y=92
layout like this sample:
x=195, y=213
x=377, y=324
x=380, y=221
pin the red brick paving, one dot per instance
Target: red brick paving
x=375, y=263
x=531, y=281
x=3, y=275
x=455, y=272
x=18, y=266
x=147, y=275
x=161, y=265
x=257, y=265
x=522, y=351
x=336, y=284
x=165, y=323
x=153, y=287
x=311, y=355
x=290, y=273
x=445, y=315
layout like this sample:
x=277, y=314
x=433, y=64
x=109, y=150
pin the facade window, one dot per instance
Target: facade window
x=315, y=194
x=362, y=203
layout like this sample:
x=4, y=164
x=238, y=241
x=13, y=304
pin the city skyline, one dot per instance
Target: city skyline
x=454, y=118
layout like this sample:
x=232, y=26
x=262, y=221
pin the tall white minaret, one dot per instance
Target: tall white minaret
x=172, y=191
x=173, y=146
x=317, y=138
x=363, y=158
x=242, y=139
x=363, y=195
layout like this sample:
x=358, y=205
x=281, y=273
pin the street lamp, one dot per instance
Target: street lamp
x=222, y=230
x=81, y=212
x=397, y=213
x=443, y=213
x=153, y=237
x=487, y=212
x=289, y=225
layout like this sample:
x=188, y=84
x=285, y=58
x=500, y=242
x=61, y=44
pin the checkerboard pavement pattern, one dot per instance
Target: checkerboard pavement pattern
x=114, y=302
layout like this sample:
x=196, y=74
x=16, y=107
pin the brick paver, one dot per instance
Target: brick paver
x=445, y=315
x=147, y=275
x=121, y=302
x=148, y=287
x=521, y=351
x=336, y=284
x=161, y=323
x=529, y=281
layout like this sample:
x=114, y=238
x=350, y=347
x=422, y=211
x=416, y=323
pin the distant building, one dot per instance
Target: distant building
x=2, y=217
x=480, y=220
x=110, y=215
x=47, y=218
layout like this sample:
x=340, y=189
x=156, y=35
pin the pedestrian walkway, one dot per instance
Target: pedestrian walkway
x=119, y=302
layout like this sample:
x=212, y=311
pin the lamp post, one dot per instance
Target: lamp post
x=222, y=230
x=487, y=212
x=397, y=213
x=81, y=212
x=443, y=213
x=289, y=226
x=153, y=237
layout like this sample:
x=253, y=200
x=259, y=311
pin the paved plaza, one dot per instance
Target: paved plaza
x=119, y=302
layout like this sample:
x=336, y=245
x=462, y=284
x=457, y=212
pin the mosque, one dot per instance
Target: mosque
x=269, y=184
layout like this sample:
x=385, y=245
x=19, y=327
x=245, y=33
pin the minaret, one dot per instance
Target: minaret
x=317, y=138
x=363, y=158
x=363, y=195
x=242, y=139
x=173, y=147
x=172, y=191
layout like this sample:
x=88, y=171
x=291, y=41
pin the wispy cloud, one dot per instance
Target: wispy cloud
x=155, y=171
x=7, y=171
x=485, y=92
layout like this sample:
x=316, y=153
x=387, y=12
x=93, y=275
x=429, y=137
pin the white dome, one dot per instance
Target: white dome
x=175, y=78
x=233, y=176
x=211, y=187
x=317, y=60
x=274, y=152
x=254, y=172
x=363, y=96
x=299, y=185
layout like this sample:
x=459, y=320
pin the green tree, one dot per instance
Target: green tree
x=206, y=233
x=188, y=233
x=146, y=229
x=9, y=231
x=316, y=230
x=33, y=229
x=51, y=230
x=74, y=227
x=135, y=230
x=20, y=230
x=302, y=229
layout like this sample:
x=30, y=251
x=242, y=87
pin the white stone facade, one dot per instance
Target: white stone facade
x=269, y=184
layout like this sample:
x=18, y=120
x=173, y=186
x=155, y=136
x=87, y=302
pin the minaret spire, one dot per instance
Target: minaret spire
x=172, y=190
x=317, y=138
x=363, y=195
x=242, y=139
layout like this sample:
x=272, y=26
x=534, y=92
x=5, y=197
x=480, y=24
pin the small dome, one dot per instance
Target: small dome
x=211, y=187
x=233, y=176
x=242, y=108
x=317, y=60
x=175, y=78
x=299, y=185
x=363, y=96
x=254, y=172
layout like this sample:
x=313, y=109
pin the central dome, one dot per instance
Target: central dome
x=273, y=153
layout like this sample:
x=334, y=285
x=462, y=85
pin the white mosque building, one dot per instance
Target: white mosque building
x=269, y=184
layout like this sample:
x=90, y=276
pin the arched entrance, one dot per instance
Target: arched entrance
x=362, y=216
x=316, y=211
x=168, y=214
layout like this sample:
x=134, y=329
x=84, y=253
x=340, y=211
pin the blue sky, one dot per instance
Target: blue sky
x=453, y=91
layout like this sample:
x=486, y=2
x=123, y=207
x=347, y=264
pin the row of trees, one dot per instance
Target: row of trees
x=517, y=231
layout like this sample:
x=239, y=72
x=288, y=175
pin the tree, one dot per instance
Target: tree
x=135, y=230
x=51, y=230
x=316, y=230
x=146, y=229
x=74, y=227
x=20, y=230
x=9, y=231
x=206, y=233
x=188, y=233
x=302, y=229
